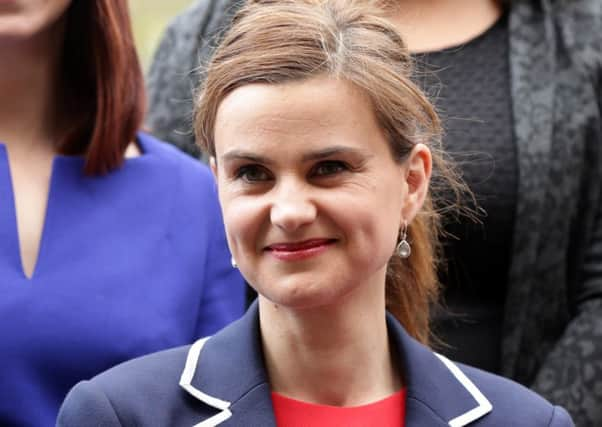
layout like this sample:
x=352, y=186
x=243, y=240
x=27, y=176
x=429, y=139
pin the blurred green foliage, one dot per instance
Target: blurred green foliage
x=149, y=19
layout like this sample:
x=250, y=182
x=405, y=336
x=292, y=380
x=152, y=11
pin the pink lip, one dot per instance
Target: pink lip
x=296, y=251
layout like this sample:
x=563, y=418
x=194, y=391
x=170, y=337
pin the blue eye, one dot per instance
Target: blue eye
x=330, y=167
x=252, y=173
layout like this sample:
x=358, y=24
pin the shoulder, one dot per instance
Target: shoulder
x=573, y=13
x=512, y=403
x=568, y=18
x=571, y=17
x=189, y=183
x=153, y=373
x=578, y=9
x=142, y=391
x=174, y=161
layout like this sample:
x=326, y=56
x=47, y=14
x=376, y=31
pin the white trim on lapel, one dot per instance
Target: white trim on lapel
x=484, y=406
x=186, y=383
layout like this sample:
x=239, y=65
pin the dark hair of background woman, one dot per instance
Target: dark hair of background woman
x=102, y=83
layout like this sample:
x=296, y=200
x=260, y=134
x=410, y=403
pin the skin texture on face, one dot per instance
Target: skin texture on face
x=311, y=196
x=24, y=19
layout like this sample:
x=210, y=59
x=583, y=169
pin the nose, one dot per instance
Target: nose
x=292, y=208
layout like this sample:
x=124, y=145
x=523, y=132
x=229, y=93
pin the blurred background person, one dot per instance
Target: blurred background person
x=517, y=83
x=320, y=146
x=111, y=242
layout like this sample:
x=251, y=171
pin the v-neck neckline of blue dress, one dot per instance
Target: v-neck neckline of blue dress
x=9, y=231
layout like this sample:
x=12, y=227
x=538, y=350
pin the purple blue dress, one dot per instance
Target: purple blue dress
x=129, y=263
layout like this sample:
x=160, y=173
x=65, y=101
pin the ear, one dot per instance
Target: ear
x=418, y=168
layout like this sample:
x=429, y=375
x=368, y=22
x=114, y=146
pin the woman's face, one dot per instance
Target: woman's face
x=23, y=19
x=312, y=198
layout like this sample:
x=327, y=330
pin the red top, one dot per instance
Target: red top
x=389, y=412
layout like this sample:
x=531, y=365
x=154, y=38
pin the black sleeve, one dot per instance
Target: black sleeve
x=572, y=373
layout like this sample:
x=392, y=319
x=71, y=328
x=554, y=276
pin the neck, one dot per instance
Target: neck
x=313, y=355
x=29, y=79
x=430, y=25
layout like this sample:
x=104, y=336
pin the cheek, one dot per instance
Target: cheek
x=370, y=224
x=243, y=218
x=376, y=237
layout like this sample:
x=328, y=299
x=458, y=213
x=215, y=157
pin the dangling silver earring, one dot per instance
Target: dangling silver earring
x=233, y=262
x=403, y=248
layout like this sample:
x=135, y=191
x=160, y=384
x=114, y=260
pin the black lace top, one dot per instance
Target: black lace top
x=470, y=86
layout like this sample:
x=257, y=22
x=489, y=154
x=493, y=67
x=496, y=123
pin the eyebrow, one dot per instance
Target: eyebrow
x=333, y=151
x=314, y=155
x=244, y=155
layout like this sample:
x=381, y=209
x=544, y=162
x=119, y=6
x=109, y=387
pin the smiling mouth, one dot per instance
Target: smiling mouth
x=296, y=251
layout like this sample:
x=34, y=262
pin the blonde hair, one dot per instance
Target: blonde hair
x=279, y=41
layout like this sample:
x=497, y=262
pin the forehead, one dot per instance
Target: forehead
x=313, y=112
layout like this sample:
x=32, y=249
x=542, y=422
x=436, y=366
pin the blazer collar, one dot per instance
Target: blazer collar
x=227, y=372
x=438, y=392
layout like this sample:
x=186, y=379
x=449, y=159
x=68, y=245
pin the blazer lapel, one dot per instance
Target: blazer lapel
x=532, y=68
x=438, y=392
x=226, y=372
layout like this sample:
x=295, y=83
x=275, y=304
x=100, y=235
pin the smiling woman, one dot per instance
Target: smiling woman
x=396, y=108
x=323, y=150
x=317, y=183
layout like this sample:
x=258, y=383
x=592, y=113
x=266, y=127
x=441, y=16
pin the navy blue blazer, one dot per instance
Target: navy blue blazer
x=222, y=380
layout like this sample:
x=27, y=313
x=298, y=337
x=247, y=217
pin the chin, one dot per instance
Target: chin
x=297, y=299
x=298, y=295
x=18, y=31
